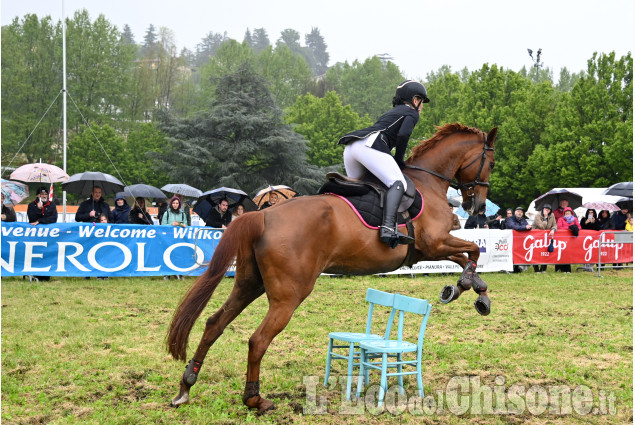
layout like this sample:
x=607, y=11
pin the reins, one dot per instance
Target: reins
x=455, y=183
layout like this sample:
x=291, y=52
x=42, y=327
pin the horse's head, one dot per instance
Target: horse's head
x=462, y=156
x=473, y=173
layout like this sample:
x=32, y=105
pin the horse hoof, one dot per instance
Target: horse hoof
x=182, y=398
x=265, y=406
x=449, y=293
x=482, y=305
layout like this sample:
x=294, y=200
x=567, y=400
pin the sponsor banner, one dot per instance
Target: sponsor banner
x=87, y=249
x=495, y=248
x=532, y=248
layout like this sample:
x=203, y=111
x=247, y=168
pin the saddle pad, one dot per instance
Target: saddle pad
x=368, y=208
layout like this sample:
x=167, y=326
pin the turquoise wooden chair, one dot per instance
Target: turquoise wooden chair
x=352, y=339
x=372, y=349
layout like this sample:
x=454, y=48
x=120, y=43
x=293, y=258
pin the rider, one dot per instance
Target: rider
x=369, y=149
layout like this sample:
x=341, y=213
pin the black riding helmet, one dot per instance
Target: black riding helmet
x=409, y=89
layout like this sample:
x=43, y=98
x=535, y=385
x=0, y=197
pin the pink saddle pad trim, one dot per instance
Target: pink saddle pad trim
x=364, y=221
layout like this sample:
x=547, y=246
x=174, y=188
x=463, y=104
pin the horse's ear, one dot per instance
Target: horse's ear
x=491, y=136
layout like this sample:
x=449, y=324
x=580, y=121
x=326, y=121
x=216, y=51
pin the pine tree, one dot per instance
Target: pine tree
x=315, y=42
x=240, y=141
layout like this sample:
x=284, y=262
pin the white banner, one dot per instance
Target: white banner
x=496, y=247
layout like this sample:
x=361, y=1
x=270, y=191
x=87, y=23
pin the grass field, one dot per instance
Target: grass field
x=87, y=351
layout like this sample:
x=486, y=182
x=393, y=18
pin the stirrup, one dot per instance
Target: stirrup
x=394, y=237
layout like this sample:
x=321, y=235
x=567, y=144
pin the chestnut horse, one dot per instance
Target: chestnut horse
x=282, y=250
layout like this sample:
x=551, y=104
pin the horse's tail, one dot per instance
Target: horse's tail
x=237, y=241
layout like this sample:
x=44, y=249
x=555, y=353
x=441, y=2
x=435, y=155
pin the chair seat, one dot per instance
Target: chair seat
x=387, y=346
x=353, y=336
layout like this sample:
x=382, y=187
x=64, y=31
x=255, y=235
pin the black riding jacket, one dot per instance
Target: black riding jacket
x=394, y=127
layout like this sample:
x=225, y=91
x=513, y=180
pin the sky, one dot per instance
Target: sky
x=420, y=36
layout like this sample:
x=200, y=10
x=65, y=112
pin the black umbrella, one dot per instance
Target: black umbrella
x=144, y=191
x=625, y=203
x=620, y=189
x=554, y=197
x=212, y=197
x=83, y=183
x=183, y=189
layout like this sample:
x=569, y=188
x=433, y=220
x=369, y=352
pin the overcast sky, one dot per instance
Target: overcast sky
x=421, y=36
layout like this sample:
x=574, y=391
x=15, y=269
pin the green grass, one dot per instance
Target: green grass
x=87, y=351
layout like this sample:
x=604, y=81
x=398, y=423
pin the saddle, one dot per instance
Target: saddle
x=366, y=197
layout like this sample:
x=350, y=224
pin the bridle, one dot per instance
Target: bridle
x=470, y=186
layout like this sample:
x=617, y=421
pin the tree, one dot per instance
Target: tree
x=208, y=46
x=240, y=141
x=288, y=74
x=127, y=36
x=368, y=87
x=31, y=82
x=260, y=40
x=315, y=42
x=98, y=148
x=150, y=38
x=322, y=121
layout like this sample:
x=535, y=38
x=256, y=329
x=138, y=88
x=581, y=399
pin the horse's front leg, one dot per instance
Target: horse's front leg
x=469, y=278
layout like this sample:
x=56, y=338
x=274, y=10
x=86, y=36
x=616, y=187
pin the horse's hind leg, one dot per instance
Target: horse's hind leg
x=245, y=291
x=277, y=318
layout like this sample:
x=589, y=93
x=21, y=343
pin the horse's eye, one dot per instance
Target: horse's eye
x=491, y=165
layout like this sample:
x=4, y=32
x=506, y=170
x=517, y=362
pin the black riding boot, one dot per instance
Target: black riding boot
x=388, y=232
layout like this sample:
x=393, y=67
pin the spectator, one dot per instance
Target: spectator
x=273, y=200
x=590, y=220
x=567, y=222
x=517, y=222
x=121, y=213
x=90, y=210
x=238, y=211
x=163, y=207
x=103, y=218
x=174, y=216
x=619, y=219
x=629, y=223
x=185, y=207
x=605, y=220
x=456, y=223
x=478, y=221
x=560, y=211
x=41, y=210
x=497, y=221
x=219, y=217
x=139, y=215
x=545, y=221
x=8, y=213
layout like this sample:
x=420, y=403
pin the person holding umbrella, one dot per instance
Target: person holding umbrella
x=219, y=217
x=41, y=210
x=619, y=219
x=139, y=215
x=90, y=210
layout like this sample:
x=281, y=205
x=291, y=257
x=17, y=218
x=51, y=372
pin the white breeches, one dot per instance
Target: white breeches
x=358, y=158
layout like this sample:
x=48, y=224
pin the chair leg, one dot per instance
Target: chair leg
x=419, y=379
x=349, y=377
x=400, y=377
x=362, y=372
x=328, y=363
x=383, y=384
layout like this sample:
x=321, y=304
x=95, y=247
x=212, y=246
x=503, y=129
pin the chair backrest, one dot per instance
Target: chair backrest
x=405, y=304
x=373, y=296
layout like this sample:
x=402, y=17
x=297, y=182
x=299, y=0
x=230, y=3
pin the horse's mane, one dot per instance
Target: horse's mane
x=442, y=132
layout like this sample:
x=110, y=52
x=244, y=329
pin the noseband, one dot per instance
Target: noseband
x=469, y=187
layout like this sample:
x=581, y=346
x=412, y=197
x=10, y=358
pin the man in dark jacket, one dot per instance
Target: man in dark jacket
x=41, y=210
x=90, y=210
x=121, y=213
x=478, y=221
x=619, y=219
x=517, y=222
x=219, y=217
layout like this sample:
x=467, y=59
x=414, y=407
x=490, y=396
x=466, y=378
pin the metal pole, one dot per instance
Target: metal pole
x=64, y=102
